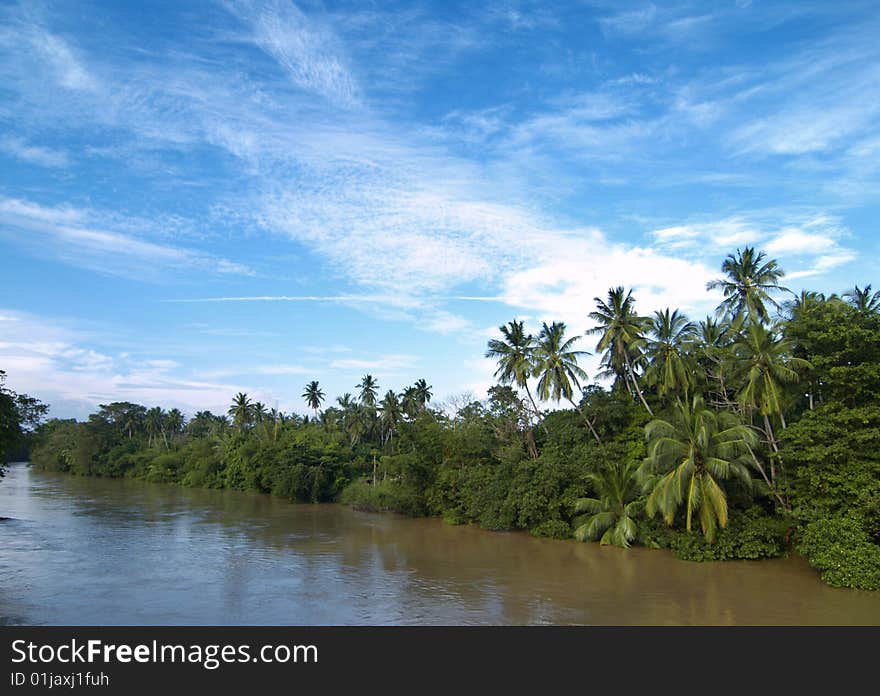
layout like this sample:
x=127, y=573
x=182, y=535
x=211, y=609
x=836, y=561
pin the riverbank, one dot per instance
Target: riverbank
x=101, y=551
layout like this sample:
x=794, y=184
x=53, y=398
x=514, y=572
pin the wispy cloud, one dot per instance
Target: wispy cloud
x=33, y=154
x=70, y=234
x=308, y=50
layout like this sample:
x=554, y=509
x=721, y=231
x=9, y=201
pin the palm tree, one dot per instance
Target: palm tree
x=687, y=459
x=556, y=367
x=389, y=418
x=669, y=368
x=515, y=355
x=369, y=390
x=767, y=363
x=241, y=411
x=807, y=299
x=174, y=422
x=313, y=396
x=422, y=393
x=153, y=423
x=613, y=514
x=748, y=285
x=622, y=338
x=713, y=344
x=277, y=418
x=863, y=300
x=409, y=402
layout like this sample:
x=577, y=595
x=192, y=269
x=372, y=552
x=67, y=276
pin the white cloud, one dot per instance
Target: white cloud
x=69, y=71
x=391, y=364
x=69, y=234
x=45, y=358
x=34, y=154
x=308, y=50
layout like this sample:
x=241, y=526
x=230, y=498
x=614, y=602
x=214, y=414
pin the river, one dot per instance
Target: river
x=122, y=552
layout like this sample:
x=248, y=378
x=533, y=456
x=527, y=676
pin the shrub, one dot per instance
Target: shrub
x=842, y=551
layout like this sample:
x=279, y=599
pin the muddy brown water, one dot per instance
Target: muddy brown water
x=119, y=552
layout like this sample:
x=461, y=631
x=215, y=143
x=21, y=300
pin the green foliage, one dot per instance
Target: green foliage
x=750, y=534
x=384, y=496
x=842, y=551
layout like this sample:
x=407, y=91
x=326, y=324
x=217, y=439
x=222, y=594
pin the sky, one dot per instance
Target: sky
x=201, y=198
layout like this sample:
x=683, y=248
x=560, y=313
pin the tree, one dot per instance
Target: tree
x=613, y=513
x=154, y=423
x=313, y=396
x=369, y=390
x=10, y=423
x=556, y=368
x=689, y=456
x=422, y=393
x=389, y=416
x=241, y=411
x=767, y=363
x=669, y=366
x=863, y=300
x=748, y=285
x=515, y=355
x=174, y=421
x=622, y=338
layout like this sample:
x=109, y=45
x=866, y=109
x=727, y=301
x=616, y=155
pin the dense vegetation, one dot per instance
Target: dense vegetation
x=20, y=414
x=731, y=437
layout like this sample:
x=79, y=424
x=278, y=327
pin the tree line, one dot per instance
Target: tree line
x=744, y=434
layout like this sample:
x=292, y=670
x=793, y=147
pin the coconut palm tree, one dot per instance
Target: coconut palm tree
x=409, y=402
x=766, y=363
x=313, y=396
x=153, y=423
x=713, y=349
x=389, y=418
x=669, y=364
x=863, y=300
x=422, y=393
x=622, y=338
x=241, y=411
x=688, y=458
x=748, y=285
x=174, y=422
x=515, y=355
x=555, y=366
x=276, y=417
x=369, y=390
x=613, y=514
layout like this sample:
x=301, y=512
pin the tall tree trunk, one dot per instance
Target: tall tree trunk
x=770, y=485
x=587, y=421
x=771, y=438
x=635, y=382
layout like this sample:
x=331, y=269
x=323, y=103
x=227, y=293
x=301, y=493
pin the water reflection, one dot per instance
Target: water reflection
x=92, y=551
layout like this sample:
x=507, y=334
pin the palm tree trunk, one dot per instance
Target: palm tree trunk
x=772, y=488
x=587, y=421
x=632, y=376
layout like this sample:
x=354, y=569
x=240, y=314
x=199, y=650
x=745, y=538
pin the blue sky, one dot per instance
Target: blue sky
x=202, y=198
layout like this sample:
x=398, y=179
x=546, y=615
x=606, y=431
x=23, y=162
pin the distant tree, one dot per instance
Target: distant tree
x=863, y=300
x=369, y=390
x=667, y=351
x=622, y=338
x=515, y=354
x=154, y=423
x=557, y=369
x=314, y=396
x=241, y=411
x=748, y=285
